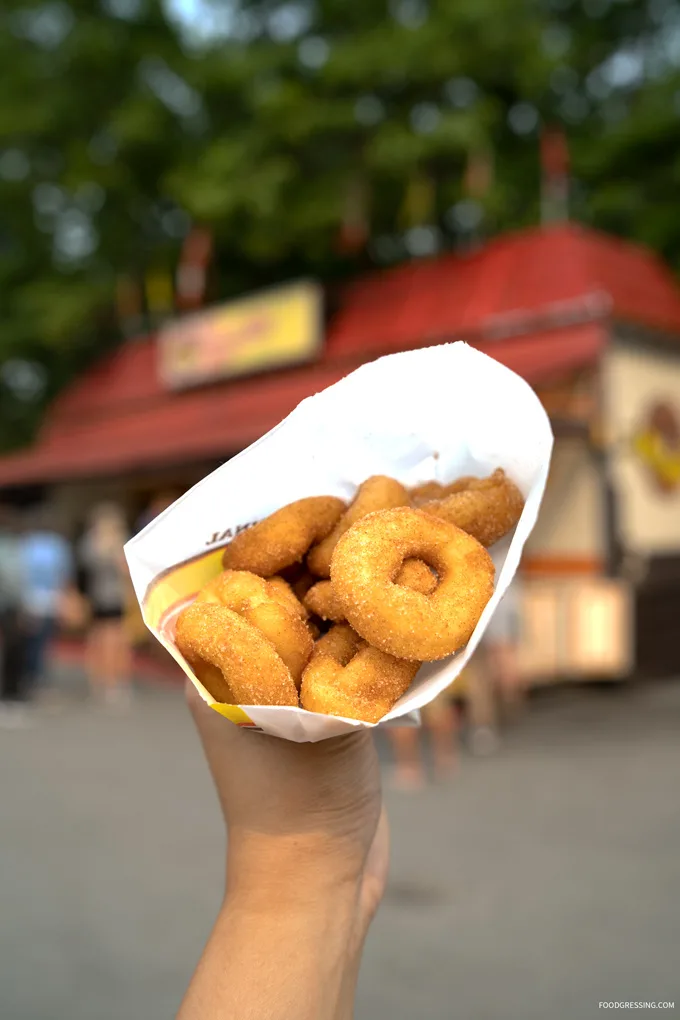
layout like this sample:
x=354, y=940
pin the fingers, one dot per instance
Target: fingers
x=205, y=718
x=221, y=739
x=193, y=698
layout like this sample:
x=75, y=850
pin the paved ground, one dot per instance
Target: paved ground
x=540, y=882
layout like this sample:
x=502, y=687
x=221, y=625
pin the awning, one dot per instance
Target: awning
x=182, y=427
x=545, y=293
x=147, y=428
x=542, y=357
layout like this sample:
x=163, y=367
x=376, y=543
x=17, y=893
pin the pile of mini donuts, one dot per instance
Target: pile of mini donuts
x=334, y=607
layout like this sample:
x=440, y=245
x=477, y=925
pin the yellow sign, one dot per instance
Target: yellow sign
x=260, y=332
x=657, y=444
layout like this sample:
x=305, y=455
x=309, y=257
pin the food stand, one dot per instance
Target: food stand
x=591, y=322
x=602, y=573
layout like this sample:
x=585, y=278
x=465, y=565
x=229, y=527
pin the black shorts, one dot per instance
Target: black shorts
x=108, y=612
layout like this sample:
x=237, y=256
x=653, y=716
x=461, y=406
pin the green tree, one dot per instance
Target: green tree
x=85, y=143
x=277, y=122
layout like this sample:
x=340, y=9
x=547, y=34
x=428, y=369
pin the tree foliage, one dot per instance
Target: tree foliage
x=275, y=122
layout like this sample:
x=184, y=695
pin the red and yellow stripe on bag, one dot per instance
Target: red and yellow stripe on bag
x=165, y=598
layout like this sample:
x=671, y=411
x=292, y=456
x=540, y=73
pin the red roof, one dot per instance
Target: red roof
x=89, y=438
x=545, y=273
x=534, y=300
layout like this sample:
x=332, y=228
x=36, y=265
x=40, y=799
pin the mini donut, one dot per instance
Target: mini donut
x=314, y=629
x=427, y=491
x=212, y=679
x=396, y=619
x=377, y=493
x=340, y=643
x=299, y=578
x=260, y=602
x=347, y=677
x=321, y=598
x=487, y=508
x=437, y=490
x=284, y=594
x=417, y=575
x=459, y=484
x=302, y=584
x=284, y=537
x=252, y=670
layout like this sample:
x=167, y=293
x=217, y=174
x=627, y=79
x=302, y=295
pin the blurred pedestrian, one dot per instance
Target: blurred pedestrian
x=140, y=637
x=502, y=649
x=157, y=504
x=12, y=666
x=105, y=582
x=440, y=724
x=495, y=684
x=47, y=569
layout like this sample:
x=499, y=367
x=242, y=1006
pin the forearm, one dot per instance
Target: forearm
x=345, y=1007
x=277, y=954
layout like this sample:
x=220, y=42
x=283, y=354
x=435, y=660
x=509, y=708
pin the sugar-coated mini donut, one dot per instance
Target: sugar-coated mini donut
x=321, y=598
x=213, y=680
x=347, y=677
x=428, y=491
x=394, y=618
x=314, y=629
x=404, y=580
x=284, y=537
x=299, y=578
x=268, y=607
x=340, y=642
x=253, y=671
x=283, y=592
x=417, y=575
x=487, y=508
x=377, y=493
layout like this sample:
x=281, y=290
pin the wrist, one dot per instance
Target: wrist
x=294, y=871
x=310, y=908
x=281, y=947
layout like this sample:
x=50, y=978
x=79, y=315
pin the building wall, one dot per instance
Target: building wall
x=637, y=381
x=570, y=527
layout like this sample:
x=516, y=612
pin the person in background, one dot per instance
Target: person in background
x=440, y=722
x=160, y=502
x=495, y=684
x=140, y=638
x=503, y=652
x=47, y=569
x=105, y=584
x=12, y=671
x=490, y=684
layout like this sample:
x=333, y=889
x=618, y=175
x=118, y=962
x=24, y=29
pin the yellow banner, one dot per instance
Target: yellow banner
x=268, y=330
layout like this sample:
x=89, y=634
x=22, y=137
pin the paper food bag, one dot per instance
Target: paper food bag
x=435, y=413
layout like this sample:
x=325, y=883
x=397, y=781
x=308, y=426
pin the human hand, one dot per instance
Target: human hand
x=304, y=810
x=306, y=870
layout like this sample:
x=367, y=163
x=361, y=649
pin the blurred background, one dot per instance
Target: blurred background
x=211, y=210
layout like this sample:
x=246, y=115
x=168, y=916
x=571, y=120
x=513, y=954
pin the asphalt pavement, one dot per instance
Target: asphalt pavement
x=538, y=883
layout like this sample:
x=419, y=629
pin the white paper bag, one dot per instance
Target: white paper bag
x=435, y=413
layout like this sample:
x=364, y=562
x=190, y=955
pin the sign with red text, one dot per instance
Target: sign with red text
x=269, y=330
